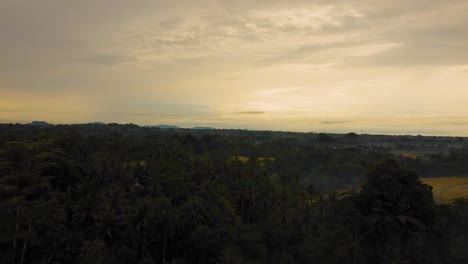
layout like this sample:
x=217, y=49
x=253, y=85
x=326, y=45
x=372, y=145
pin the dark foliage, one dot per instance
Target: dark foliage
x=125, y=194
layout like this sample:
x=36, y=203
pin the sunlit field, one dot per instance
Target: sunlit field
x=447, y=189
x=259, y=159
x=412, y=154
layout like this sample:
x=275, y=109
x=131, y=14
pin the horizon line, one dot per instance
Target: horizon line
x=209, y=127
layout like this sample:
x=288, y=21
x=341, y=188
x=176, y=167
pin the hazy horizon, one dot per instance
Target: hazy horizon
x=390, y=67
x=372, y=131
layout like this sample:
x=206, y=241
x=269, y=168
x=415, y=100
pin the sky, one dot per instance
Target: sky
x=378, y=66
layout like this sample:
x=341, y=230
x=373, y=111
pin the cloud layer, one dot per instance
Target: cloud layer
x=289, y=65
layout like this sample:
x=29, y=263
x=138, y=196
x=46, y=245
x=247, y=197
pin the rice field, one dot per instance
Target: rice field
x=446, y=189
x=412, y=154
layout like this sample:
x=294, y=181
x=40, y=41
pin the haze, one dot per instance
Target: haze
x=338, y=66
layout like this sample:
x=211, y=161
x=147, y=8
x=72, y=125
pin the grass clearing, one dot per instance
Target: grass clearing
x=412, y=154
x=446, y=189
x=259, y=159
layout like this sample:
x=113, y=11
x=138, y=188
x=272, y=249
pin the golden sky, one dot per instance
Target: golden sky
x=336, y=66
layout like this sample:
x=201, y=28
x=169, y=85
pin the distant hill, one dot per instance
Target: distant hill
x=96, y=123
x=162, y=126
x=39, y=123
x=203, y=128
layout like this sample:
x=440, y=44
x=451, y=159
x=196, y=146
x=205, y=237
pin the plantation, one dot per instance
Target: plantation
x=127, y=194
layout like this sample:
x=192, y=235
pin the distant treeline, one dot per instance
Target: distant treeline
x=127, y=194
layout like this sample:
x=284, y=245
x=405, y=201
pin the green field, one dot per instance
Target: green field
x=259, y=159
x=447, y=189
x=412, y=154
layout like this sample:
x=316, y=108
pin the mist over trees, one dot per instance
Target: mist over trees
x=126, y=194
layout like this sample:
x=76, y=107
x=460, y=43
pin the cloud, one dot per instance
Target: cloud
x=388, y=35
x=107, y=59
x=12, y=110
x=232, y=33
x=204, y=60
x=331, y=54
x=139, y=114
x=251, y=112
x=334, y=122
x=149, y=108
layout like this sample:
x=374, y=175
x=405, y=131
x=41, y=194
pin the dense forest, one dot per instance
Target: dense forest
x=127, y=194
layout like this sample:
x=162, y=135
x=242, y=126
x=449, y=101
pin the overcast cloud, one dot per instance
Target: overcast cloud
x=287, y=65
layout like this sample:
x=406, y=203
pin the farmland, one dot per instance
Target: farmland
x=447, y=189
x=412, y=154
